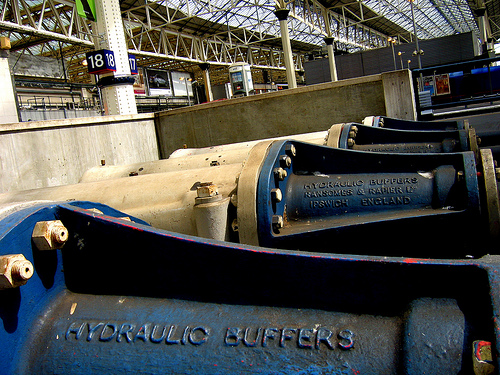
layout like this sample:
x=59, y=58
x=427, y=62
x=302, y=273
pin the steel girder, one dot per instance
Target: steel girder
x=222, y=32
x=244, y=31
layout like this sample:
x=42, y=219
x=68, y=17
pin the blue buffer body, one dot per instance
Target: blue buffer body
x=400, y=203
x=379, y=265
x=395, y=123
x=376, y=139
x=404, y=136
x=123, y=297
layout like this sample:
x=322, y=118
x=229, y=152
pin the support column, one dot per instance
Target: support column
x=331, y=58
x=117, y=89
x=8, y=105
x=417, y=51
x=484, y=30
x=206, y=80
x=282, y=15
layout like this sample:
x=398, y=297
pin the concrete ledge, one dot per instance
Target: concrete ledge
x=72, y=122
x=276, y=114
x=41, y=154
x=270, y=95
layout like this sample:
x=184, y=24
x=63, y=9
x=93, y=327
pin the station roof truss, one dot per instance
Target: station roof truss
x=181, y=34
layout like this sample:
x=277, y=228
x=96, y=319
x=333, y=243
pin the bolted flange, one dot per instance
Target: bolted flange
x=285, y=161
x=276, y=195
x=280, y=173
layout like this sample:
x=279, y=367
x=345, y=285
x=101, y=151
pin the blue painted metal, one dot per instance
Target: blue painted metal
x=394, y=123
x=330, y=196
x=23, y=310
x=377, y=139
x=123, y=297
x=382, y=267
x=395, y=135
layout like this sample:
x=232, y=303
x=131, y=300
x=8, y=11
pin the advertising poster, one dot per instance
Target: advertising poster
x=427, y=84
x=139, y=84
x=442, y=84
x=158, y=82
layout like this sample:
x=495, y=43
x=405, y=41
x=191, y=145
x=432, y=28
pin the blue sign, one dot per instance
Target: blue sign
x=102, y=61
x=133, y=64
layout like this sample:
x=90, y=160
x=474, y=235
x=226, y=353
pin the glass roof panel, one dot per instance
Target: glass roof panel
x=433, y=18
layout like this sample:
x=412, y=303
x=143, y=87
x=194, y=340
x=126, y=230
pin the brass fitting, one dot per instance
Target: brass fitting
x=49, y=235
x=15, y=270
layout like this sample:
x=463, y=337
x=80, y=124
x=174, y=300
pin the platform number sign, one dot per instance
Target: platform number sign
x=102, y=61
x=133, y=64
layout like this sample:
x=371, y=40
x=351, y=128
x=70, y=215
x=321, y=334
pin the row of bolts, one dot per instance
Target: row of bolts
x=352, y=136
x=15, y=269
x=280, y=173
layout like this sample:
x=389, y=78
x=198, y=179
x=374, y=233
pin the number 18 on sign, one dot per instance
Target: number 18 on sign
x=102, y=61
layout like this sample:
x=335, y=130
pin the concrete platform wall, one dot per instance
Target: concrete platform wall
x=40, y=154
x=305, y=109
x=35, y=115
x=50, y=153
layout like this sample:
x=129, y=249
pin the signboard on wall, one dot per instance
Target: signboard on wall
x=133, y=64
x=442, y=84
x=181, y=82
x=139, y=84
x=86, y=9
x=102, y=61
x=427, y=84
x=158, y=82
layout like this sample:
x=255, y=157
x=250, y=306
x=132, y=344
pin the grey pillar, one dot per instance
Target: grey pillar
x=282, y=15
x=206, y=79
x=331, y=58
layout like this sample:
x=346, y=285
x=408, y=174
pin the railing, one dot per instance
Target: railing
x=161, y=103
x=462, y=84
x=48, y=103
x=145, y=104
